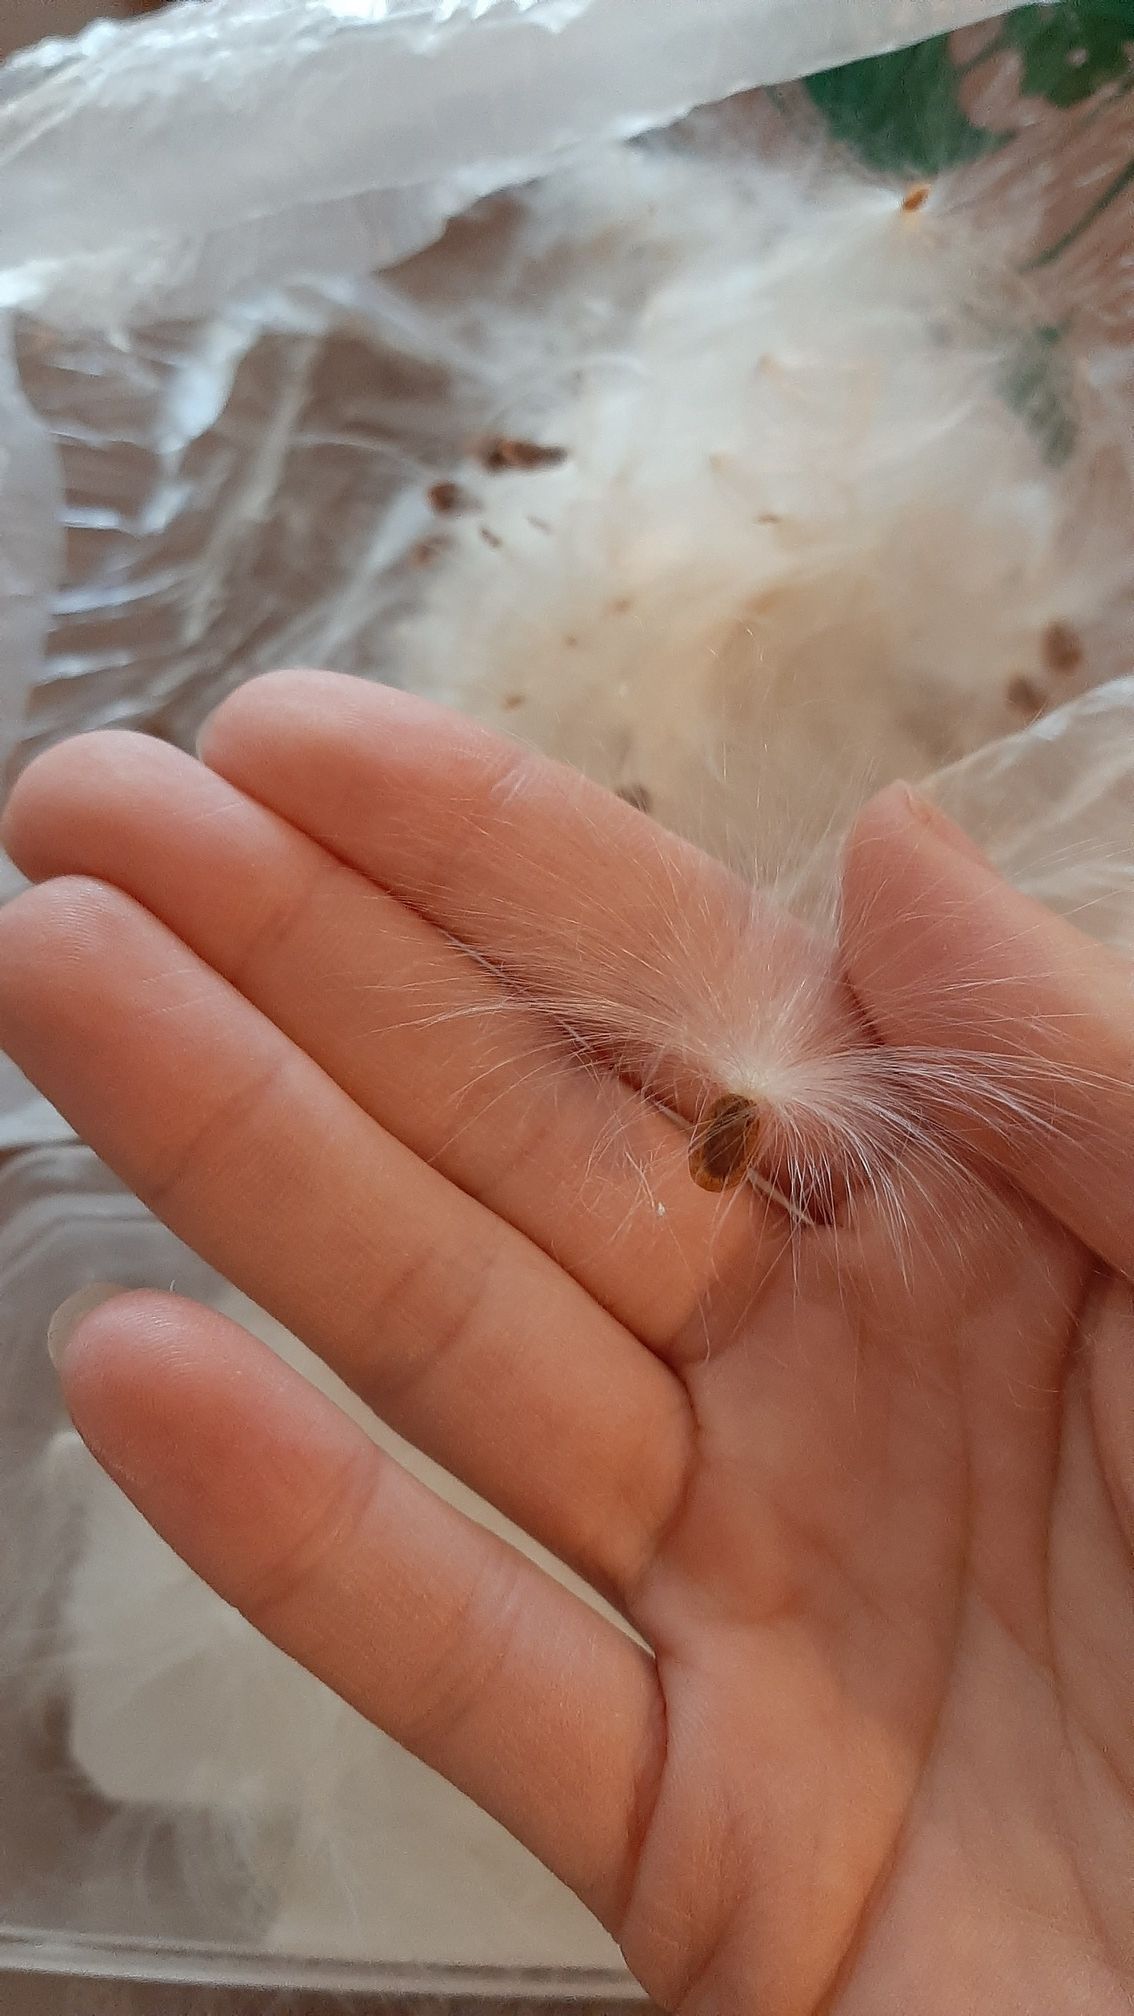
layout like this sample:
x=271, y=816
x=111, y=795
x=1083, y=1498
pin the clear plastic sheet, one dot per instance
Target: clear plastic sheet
x=227, y=371
x=160, y=179
x=1070, y=783
x=212, y=403
x=151, y=1824
x=277, y=137
x=219, y=393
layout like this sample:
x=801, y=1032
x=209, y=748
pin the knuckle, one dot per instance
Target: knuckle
x=290, y=1576
x=229, y=1120
x=436, y=1314
x=475, y=1649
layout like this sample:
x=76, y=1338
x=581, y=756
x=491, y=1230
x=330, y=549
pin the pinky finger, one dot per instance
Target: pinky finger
x=467, y=1653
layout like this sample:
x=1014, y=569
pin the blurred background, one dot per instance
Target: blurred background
x=24, y=21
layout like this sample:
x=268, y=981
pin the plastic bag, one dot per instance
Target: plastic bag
x=214, y=407
x=280, y=141
x=226, y=397
x=211, y=390
x=206, y=397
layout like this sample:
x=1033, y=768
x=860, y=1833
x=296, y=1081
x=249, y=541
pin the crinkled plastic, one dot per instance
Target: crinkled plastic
x=200, y=378
x=170, y=167
x=217, y=404
x=270, y=138
x=1069, y=781
x=214, y=408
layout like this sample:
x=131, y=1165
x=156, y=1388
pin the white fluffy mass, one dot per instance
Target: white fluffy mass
x=805, y=520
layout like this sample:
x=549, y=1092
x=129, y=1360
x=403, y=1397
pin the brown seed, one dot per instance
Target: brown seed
x=1062, y=648
x=503, y=451
x=916, y=198
x=448, y=498
x=425, y=552
x=1025, y=696
x=722, y=1147
x=636, y=795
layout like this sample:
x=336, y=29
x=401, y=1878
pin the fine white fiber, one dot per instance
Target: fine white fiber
x=765, y=513
x=763, y=517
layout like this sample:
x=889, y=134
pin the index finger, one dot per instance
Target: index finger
x=674, y=970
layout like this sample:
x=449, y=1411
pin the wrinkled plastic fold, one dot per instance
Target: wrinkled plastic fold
x=1054, y=808
x=161, y=166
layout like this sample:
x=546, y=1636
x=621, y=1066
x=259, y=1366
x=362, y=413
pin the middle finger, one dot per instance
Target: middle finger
x=450, y=1324
x=424, y=1038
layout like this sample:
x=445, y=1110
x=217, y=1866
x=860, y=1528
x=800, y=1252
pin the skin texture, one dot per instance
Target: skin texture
x=868, y=1499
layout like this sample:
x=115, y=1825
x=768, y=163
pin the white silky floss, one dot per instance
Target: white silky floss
x=798, y=539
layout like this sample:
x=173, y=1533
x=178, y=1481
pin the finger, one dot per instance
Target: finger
x=425, y=1039
x=470, y=1341
x=464, y=1651
x=1112, y=1401
x=1032, y=1024
x=673, y=966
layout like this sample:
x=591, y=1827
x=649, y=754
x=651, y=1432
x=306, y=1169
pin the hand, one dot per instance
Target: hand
x=866, y=1492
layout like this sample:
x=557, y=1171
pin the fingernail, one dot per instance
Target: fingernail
x=946, y=829
x=70, y=1314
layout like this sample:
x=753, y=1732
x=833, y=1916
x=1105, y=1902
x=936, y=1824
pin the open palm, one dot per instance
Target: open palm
x=865, y=1491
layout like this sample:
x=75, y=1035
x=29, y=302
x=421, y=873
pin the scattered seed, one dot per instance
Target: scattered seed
x=506, y=452
x=722, y=1147
x=448, y=498
x=1062, y=648
x=425, y=552
x=1025, y=696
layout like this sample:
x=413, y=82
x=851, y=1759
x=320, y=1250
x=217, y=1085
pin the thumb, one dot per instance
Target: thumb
x=1032, y=1023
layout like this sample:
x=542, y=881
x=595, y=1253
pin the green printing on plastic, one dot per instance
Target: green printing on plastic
x=1038, y=385
x=1071, y=50
x=902, y=114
